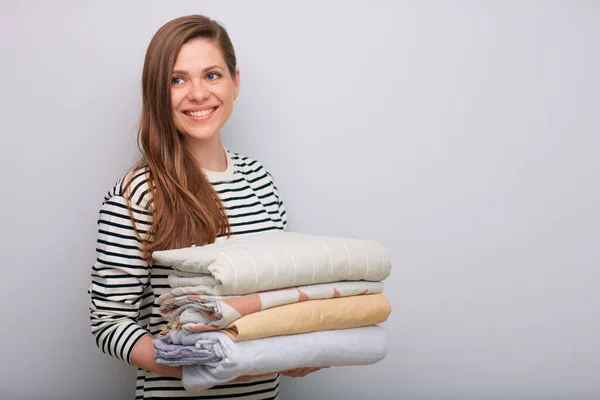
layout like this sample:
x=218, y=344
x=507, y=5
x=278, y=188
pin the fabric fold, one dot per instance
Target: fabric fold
x=273, y=260
x=202, y=352
x=356, y=346
x=311, y=316
x=193, y=312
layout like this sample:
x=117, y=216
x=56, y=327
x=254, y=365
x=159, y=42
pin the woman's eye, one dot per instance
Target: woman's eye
x=177, y=81
x=212, y=76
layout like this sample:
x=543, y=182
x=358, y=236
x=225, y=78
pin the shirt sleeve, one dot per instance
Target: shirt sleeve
x=119, y=279
x=282, y=213
x=280, y=205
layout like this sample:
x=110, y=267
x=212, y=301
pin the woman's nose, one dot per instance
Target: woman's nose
x=198, y=92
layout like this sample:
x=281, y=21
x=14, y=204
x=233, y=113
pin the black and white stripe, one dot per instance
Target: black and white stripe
x=124, y=287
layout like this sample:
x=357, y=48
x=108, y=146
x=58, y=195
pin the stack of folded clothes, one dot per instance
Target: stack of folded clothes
x=273, y=301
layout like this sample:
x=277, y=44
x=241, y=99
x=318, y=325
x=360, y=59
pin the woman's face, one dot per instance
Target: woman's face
x=202, y=90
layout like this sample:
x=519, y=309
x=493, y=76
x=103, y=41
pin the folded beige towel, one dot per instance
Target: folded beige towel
x=312, y=316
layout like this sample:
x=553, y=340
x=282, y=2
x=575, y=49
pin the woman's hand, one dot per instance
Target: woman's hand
x=142, y=356
x=246, y=378
x=294, y=373
x=300, y=372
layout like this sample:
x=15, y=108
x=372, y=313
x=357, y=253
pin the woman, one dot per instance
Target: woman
x=186, y=190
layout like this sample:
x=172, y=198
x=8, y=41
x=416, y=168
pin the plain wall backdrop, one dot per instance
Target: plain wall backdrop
x=462, y=135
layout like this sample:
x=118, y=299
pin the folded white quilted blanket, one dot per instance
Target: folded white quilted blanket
x=273, y=260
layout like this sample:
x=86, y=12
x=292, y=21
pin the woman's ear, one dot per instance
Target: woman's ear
x=236, y=83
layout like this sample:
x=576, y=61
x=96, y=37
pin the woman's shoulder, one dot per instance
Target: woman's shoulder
x=134, y=187
x=249, y=167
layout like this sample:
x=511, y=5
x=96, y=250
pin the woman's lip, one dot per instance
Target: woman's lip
x=201, y=119
x=199, y=109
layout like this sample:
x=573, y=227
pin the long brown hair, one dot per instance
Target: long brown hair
x=186, y=209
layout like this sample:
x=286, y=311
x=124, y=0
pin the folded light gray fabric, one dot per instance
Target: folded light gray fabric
x=204, y=351
x=272, y=260
x=344, y=347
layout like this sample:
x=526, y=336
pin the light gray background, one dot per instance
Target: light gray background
x=463, y=135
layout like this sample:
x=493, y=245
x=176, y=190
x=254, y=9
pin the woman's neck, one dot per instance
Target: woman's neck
x=209, y=154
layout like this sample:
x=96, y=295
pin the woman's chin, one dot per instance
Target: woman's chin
x=199, y=135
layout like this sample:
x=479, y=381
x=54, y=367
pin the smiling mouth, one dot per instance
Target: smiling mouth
x=199, y=114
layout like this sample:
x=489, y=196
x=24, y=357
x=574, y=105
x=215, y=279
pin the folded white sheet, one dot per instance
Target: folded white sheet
x=272, y=260
x=344, y=347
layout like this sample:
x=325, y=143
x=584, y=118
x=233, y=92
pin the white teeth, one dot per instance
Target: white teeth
x=200, y=113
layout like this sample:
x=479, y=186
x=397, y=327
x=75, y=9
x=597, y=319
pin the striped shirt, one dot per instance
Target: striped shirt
x=124, y=287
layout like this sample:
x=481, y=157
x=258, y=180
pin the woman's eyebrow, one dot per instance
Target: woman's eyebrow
x=181, y=72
